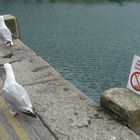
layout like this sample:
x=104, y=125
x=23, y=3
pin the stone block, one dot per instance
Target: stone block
x=125, y=104
x=12, y=24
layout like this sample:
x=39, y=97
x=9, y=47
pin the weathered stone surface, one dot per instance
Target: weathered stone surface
x=72, y=116
x=125, y=104
x=34, y=70
x=14, y=53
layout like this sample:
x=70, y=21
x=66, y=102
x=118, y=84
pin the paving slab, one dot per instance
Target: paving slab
x=21, y=127
x=12, y=24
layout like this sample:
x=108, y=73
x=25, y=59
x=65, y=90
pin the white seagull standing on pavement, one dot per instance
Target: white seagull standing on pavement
x=5, y=33
x=16, y=95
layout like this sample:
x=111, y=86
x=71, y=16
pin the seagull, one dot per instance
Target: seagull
x=5, y=33
x=16, y=95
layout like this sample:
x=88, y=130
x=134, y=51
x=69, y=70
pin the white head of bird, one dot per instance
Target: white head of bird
x=10, y=77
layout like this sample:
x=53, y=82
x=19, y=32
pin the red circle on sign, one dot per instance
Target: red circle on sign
x=135, y=76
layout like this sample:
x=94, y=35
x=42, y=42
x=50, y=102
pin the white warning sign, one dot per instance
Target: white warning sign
x=134, y=76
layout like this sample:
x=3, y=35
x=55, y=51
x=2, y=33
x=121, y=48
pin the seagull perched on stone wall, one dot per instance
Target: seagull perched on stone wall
x=5, y=33
x=16, y=95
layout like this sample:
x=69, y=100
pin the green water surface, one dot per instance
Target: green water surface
x=91, y=42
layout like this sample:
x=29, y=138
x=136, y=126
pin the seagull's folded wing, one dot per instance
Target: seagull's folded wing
x=17, y=96
x=5, y=34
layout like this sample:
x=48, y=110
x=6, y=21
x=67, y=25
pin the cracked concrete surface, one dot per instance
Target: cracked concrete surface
x=62, y=109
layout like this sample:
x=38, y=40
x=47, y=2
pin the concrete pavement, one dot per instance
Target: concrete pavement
x=21, y=127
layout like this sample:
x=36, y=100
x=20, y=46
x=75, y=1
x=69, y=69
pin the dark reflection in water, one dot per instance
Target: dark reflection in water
x=90, y=42
x=68, y=1
x=88, y=1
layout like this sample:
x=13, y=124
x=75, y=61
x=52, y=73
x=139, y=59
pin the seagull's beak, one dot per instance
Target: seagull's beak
x=11, y=43
x=29, y=113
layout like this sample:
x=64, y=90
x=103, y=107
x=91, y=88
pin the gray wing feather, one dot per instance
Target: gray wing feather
x=5, y=34
x=17, y=96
